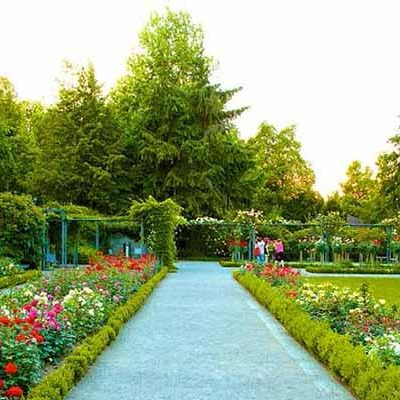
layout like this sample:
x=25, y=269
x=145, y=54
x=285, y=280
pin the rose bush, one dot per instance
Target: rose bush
x=363, y=319
x=41, y=322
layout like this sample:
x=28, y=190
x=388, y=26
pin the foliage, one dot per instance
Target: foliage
x=358, y=191
x=17, y=146
x=8, y=267
x=338, y=269
x=160, y=220
x=181, y=142
x=330, y=224
x=18, y=279
x=250, y=217
x=80, y=158
x=203, y=237
x=22, y=228
x=282, y=178
x=389, y=177
x=232, y=264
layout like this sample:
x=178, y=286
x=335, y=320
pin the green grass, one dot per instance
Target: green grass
x=381, y=288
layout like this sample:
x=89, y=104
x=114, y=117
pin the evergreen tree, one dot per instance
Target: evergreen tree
x=80, y=160
x=17, y=145
x=180, y=139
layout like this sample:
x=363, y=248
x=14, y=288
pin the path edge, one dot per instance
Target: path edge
x=57, y=383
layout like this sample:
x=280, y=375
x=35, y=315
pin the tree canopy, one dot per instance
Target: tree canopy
x=181, y=142
x=80, y=157
x=282, y=179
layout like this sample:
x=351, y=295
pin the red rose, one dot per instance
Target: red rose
x=10, y=368
x=4, y=321
x=20, y=338
x=14, y=391
x=1, y=383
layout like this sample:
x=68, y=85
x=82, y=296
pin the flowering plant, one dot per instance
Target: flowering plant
x=7, y=267
x=280, y=276
x=276, y=276
x=41, y=322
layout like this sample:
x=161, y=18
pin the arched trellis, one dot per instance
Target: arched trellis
x=65, y=223
x=252, y=230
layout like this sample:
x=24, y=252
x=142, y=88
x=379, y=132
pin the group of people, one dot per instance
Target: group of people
x=262, y=250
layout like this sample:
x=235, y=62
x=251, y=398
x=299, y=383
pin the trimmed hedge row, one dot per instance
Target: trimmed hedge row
x=364, y=375
x=202, y=258
x=354, y=270
x=58, y=383
x=231, y=264
x=19, y=279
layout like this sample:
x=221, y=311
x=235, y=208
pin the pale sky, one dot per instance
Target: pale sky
x=330, y=67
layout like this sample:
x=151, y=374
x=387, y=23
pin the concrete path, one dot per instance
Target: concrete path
x=202, y=337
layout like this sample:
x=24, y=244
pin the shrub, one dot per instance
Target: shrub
x=22, y=228
x=8, y=267
x=232, y=264
x=353, y=270
x=19, y=279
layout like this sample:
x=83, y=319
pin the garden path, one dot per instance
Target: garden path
x=201, y=336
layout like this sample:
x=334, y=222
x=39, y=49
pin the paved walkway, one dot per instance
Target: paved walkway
x=202, y=337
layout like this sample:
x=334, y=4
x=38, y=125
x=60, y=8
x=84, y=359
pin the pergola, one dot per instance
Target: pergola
x=65, y=222
x=251, y=228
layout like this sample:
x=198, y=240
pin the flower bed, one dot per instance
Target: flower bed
x=42, y=322
x=356, y=335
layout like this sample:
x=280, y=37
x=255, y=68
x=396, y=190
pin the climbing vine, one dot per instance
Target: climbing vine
x=160, y=220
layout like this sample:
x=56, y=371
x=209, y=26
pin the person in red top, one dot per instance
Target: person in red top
x=279, y=252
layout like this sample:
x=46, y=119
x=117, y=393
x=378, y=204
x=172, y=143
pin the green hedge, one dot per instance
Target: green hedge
x=9, y=281
x=365, y=376
x=231, y=264
x=202, y=258
x=59, y=382
x=354, y=270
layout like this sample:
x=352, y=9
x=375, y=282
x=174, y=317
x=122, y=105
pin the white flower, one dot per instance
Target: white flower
x=396, y=348
x=91, y=312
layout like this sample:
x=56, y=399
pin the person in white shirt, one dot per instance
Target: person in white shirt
x=261, y=246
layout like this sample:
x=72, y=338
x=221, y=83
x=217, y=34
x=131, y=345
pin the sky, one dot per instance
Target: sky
x=331, y=67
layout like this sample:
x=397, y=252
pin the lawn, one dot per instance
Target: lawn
x=381, y=288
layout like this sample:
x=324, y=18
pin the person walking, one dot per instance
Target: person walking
x=259, y=251
x=266, y=242
x=279, y=252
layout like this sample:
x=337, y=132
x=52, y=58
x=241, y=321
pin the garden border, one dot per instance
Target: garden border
x=353, y=270
x=365, y=376
x=231, y=264
x=19, y=279
x=56, y=384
